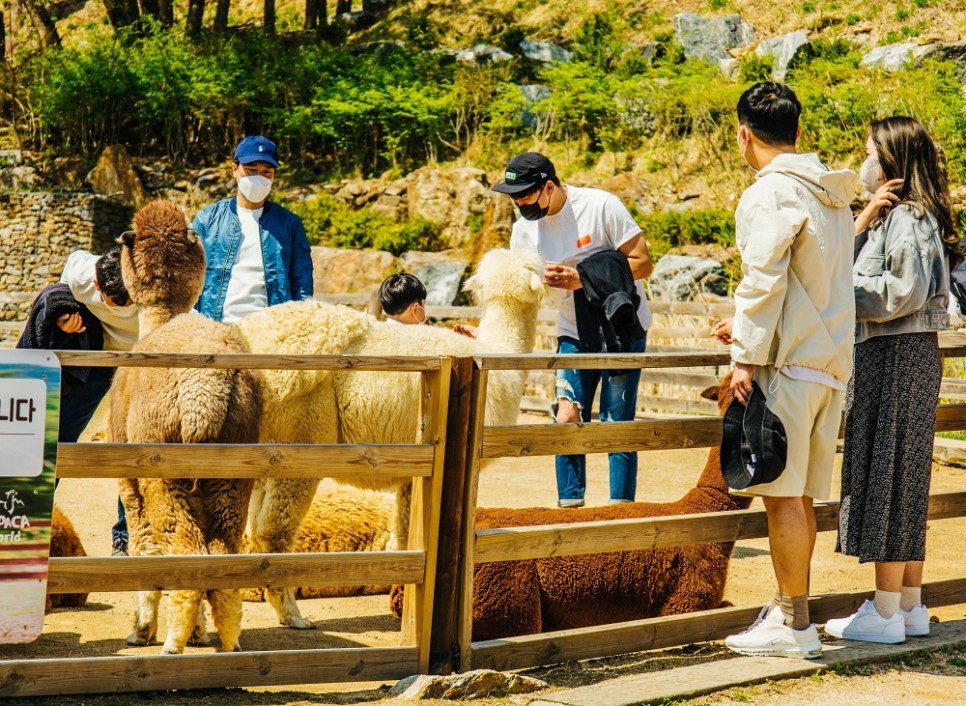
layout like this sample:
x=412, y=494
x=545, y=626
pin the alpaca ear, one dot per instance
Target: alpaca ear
x=711, y=393
x=473, y=284
x=126, y=238
x=192, y=236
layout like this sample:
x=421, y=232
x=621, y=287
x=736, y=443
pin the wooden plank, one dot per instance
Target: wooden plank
x=537, y=541
x=670, y=405
x=542, y=361
x=464, y=621
x=715, y=310
x=680, y=332
x=102, y=675
x=98, y=460
x=601, y=437
x=248, y=360
x=450, y=536
x=129, y=573
x=951, y=417
x=686, y=378
x=657, y=633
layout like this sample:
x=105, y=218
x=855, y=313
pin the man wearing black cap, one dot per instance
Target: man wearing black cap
x=567, y=225
x=258, y=254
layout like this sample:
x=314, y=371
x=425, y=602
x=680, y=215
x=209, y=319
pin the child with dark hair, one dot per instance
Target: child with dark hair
x=403, y=298
x=792, y=335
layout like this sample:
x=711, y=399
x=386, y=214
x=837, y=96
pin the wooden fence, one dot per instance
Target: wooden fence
x=444, y=547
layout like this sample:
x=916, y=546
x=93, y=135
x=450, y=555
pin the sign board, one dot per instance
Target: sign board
x=29, y=416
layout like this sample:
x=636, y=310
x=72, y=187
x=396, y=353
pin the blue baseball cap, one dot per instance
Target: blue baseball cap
x=256, y=148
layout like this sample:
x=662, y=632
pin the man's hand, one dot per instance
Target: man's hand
x=722, y=330
x=741, y=379
x=71, y=323
x=561, y=276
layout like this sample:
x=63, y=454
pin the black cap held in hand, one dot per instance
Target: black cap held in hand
x=754, y=446
x=524, y=172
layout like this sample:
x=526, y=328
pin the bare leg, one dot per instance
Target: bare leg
x=912, y=576
x=889, y=575
x=791, y=537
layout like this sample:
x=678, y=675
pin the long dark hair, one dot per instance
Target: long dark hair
x=906, y=151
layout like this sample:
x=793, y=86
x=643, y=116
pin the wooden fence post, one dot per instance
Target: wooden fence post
x=442, y=641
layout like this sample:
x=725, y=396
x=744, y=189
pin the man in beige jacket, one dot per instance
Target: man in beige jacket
x=792, y=334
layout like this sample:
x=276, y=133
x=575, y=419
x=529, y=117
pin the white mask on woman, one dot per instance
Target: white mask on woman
x=255, y=188
x=870, y=174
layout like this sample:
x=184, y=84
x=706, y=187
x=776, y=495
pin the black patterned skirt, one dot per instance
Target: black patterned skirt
x=890, y=422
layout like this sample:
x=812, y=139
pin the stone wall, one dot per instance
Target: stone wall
x=38, y=230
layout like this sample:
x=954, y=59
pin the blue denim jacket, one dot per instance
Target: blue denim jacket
x=285, y=252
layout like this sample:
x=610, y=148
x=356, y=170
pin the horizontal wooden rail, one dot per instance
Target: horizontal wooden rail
x=130, y=573
x=657, y=633
x=103, y=675
x=534, y=542
x=98, y=460
x=538, y=361
x=109, y=359
x=600, y=437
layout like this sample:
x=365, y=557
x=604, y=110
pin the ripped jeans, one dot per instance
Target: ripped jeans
x=618, y=403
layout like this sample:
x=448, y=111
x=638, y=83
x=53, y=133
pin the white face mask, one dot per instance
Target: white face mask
x=870, y=174
x=255, y=188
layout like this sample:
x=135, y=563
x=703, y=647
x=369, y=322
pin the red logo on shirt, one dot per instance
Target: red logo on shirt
x=583, y=240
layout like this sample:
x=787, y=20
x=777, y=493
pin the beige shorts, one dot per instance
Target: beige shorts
x=812, y=416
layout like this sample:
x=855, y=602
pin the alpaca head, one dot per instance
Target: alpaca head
x=721, y=393
x=508, y=277
x=162, y=260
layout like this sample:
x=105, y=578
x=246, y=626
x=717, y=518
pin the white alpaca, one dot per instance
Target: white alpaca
x=374, y=407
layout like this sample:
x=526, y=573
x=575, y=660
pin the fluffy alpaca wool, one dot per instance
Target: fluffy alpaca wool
x=163, y=265
x=374, y=407
x=64, y=542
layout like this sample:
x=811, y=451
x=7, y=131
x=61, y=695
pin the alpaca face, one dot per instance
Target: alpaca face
x=721, y=393
x=162, y=260
x=508, y=275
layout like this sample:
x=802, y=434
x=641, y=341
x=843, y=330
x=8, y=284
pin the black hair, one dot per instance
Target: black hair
x=770, y=110
x=535, y=188
x=399, y=291
x=107, y=269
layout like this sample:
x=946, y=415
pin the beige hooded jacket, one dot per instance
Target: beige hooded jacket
x=795, y=303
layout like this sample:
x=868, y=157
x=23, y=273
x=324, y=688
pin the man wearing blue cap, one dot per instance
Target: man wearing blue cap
x=257, y=251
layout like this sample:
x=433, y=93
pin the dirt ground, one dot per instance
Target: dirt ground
x=101, y=628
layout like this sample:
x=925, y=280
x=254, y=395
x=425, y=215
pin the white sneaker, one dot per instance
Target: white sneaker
x=916, y=621
x=768, y=636
x=867, y=625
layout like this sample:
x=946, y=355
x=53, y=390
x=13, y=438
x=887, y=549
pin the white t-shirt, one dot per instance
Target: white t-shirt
x=246, y=287
x=120, y=322
x=590, y=221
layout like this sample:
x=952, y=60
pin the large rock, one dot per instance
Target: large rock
x=711, y=38
x=478, y=684
x=682, y=278
x=480, y=54
x=442, y=273
x=450, y=198
x=782, y=50
x=893, y=57
x=115, y=176
x=532, y=93
x=20, y=178
x=545, y=52
x=631, y=190
x=337, y=271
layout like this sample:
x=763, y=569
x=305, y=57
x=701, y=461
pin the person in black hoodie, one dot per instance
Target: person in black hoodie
x=595, y=260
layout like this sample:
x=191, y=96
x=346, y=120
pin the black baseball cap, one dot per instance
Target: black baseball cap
x=524, y=172
x=754, y=446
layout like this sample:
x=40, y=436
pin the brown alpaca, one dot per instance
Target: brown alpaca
x=541, y=595
x=163, y=265
x=64, y=542
x=343, y=519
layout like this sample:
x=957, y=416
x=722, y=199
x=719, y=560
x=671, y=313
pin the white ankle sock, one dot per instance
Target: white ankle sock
x=887, y=602
x=911, y=597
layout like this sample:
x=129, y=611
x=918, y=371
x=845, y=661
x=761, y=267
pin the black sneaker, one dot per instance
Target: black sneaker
x=119, y=547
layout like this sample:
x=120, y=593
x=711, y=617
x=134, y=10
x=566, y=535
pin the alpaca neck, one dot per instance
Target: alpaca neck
x=712, y=483
x=508, y=330
x=151, y=317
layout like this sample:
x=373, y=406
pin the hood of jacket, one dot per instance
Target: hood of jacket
x=835, y=188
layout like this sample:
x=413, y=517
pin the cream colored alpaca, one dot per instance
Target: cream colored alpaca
x=376, y=407
x=163, y=265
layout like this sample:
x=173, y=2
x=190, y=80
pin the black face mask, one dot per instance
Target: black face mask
x=534, y=211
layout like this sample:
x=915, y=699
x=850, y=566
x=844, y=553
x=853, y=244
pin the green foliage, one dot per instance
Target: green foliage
x=597, y=41
x=672, y=229
x=421, y=31
x=852, y=19
x=329, y=222
x=755, y=68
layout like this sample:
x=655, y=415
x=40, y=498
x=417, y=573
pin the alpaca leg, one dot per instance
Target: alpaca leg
x=274, y=525
x=226, y=613
x=199, y=636
x=146, y=619
x=182, y=620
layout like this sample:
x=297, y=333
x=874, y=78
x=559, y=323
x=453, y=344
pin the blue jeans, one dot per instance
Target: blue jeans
x=618, y=403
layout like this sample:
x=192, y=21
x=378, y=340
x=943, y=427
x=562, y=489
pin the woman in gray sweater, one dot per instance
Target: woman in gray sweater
x=905, y=244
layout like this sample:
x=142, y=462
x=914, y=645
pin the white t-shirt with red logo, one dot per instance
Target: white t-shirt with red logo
x=590, y=221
